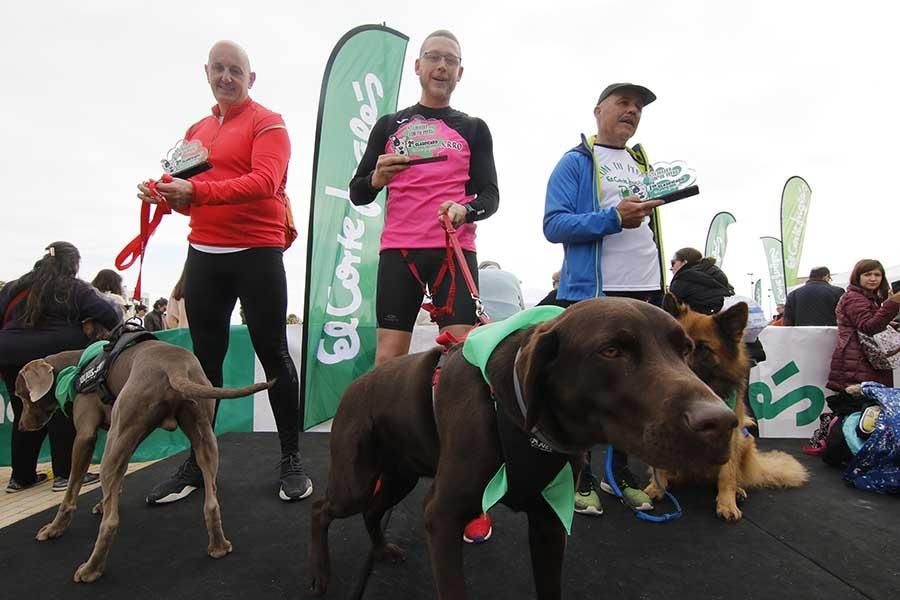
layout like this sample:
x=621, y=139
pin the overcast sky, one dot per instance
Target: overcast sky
x=93, y=94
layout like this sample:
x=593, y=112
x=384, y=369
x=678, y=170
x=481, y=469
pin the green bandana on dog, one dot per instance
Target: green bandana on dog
x=65, y=381
x=527, y=462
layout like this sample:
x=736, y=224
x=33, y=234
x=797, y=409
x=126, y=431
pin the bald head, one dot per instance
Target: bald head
x=228, y=73
x=232, y=48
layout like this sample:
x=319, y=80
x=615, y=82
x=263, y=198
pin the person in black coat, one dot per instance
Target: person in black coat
x=698, y=282
x=42, y=313
x=813, y=303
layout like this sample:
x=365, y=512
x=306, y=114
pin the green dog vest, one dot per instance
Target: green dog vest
x=65, y=381
x=527, y=462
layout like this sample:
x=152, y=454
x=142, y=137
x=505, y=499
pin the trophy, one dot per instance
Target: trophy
x=186, y=159
x=669, y=182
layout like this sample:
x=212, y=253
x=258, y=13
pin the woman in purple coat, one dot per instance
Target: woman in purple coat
x=867, y=306
x=42, y=313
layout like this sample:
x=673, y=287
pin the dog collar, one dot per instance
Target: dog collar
x=535, y=432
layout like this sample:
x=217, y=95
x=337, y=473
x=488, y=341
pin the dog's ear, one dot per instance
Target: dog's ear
x=537, y=355
x=732, y=322
x=672, y=306
x=34, y=380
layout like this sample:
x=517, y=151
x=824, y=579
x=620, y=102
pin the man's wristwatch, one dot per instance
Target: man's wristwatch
x=470, y=213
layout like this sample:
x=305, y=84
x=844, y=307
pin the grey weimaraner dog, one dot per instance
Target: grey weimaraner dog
x=609, y=370
x=156, y=385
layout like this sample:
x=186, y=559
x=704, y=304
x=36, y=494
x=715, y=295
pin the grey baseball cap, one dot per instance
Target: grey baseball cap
x=646, y=95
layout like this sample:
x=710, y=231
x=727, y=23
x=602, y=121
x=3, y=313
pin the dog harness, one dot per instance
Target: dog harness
x=93, y=366
x=531, y=467
x=65, y=390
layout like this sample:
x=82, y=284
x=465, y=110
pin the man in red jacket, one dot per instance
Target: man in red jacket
x=238, y=234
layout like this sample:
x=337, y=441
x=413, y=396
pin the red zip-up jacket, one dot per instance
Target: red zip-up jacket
x=240, y=202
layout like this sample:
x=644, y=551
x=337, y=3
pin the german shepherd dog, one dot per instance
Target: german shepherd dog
x=720, y=360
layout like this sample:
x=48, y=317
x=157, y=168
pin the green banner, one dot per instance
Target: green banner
x=234, y=415
x=757, y=291
x=795, y=201
x=772, y=247
x=361, y=84
x=717, y=236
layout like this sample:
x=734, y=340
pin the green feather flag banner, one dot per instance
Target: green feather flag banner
x=795, y=202
x=361, y=84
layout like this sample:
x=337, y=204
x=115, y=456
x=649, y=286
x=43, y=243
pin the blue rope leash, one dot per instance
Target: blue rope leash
x=637, y=513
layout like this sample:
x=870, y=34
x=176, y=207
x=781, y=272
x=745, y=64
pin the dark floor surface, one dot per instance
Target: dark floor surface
x=821, y=541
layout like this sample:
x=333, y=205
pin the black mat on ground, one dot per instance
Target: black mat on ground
x=160, y=552
x=820, y=541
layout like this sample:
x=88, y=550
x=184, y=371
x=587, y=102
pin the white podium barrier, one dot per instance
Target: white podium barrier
x=263, y=420
x=787, y=391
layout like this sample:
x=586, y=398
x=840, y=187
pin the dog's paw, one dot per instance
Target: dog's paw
x=741, y=494
x=654, y=491
x=220, y=550
x=729, y=511
x=49, y=532
x=87, y=574
x=388, y=552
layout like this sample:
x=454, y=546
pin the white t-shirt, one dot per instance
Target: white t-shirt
x=629, y=260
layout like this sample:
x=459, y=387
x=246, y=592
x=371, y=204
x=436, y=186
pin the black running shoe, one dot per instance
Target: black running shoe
x=61, y=483
x=295, y=485
x=14, y=486
x=184, y=481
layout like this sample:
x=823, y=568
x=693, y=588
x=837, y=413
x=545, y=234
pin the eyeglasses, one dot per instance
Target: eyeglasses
x=673, y=261
x=435, y=58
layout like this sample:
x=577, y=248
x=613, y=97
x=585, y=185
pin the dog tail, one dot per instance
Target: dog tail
x=198, y=390
x=773, y=469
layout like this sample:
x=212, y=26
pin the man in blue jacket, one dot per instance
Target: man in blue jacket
x=610, y=236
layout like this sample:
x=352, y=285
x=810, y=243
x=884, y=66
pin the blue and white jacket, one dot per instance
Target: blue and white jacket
x=573, y=218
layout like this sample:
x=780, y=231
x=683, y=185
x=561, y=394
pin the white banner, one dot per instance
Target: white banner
x=787, y=391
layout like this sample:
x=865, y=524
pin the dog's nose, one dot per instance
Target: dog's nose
x=710, y=419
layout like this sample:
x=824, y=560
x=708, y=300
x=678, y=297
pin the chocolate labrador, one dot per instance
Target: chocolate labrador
x=156, y=385
x=610, y=370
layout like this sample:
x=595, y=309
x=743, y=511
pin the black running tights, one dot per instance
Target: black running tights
x=212, y=285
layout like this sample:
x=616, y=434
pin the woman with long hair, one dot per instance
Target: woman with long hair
x=867, y=306
x=42, y=313
x=698, y=282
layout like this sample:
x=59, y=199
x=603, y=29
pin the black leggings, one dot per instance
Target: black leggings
x=26, y=445
x=212, y=284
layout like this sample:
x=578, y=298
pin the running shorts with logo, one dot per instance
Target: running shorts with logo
x=400, y=294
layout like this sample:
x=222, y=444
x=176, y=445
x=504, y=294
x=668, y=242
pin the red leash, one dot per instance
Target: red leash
x=453, y=244
x=445, y=338
x=454, y=256
x=136, y=248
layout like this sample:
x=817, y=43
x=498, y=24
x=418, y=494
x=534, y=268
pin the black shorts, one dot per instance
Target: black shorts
x=400, y=296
